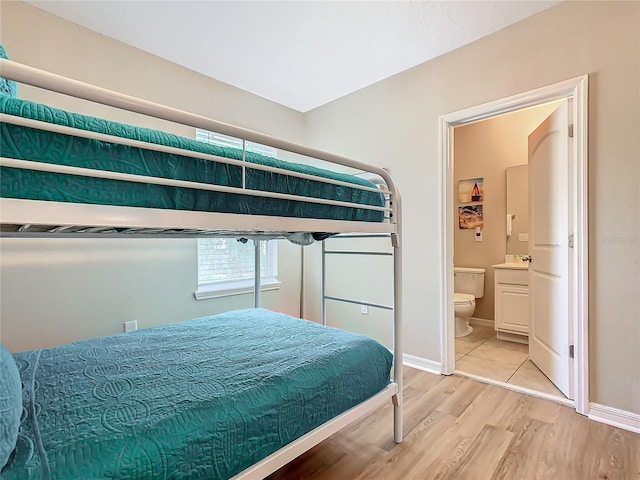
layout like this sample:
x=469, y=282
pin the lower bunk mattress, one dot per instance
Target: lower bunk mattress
x=39, y=145
x=201, y=399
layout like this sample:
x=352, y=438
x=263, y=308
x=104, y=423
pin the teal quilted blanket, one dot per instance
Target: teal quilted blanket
x=202, y=399
x=42, y=146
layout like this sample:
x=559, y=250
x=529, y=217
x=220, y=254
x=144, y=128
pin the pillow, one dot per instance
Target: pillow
x=10, y=404
x=7, y=87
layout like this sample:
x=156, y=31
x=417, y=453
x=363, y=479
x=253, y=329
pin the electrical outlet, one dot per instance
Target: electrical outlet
x=364, y=309
x=130, y=326
x=523, y=237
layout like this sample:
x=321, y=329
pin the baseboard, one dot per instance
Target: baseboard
x=615, y=417
x=513, y=337
x=482, y=322
x=422, y=364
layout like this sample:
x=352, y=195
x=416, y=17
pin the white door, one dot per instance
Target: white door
x=549, y=337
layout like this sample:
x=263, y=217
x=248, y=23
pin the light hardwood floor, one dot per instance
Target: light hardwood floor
x=457, y=428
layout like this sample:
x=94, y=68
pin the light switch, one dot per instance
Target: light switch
x=523, y=237
x=478, y=234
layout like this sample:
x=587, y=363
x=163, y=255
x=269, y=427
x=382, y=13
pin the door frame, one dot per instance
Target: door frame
x=575, y=89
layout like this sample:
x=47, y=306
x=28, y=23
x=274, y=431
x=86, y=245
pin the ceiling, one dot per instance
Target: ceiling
x=301, y=54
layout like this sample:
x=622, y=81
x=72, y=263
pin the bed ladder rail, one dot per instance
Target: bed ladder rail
x=326, y=252
x=396, y=308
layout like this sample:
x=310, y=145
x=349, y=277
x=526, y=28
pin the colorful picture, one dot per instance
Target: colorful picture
x=471, y=190
x=470, y=216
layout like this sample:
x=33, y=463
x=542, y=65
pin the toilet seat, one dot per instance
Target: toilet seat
x=463, y=299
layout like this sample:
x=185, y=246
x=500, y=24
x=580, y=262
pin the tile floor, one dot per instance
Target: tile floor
x=481, y=353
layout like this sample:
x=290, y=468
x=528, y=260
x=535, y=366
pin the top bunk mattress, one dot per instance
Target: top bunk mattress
x=201, y=399
x=37, y=145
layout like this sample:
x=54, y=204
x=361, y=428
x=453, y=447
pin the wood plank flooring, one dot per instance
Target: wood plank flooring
x=457, y=428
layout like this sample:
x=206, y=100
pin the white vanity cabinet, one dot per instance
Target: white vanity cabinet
x=512, y=301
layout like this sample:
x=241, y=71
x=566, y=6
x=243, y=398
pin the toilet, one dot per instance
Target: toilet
x=468, y=284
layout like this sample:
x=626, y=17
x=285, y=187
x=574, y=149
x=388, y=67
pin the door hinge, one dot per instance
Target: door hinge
x=571, y=351
x=571, y=130
x=570, y=241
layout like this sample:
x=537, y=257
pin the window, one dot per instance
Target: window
x=233, y=142
x=226, y=267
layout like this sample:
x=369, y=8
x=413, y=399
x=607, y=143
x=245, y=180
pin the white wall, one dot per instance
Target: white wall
x=395, y=123
x=55, y=291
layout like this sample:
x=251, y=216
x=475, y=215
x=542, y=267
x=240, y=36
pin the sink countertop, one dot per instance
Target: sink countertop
x=513, y=266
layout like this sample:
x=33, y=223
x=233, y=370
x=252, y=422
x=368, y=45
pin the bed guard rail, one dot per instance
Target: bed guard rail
x=56, y=83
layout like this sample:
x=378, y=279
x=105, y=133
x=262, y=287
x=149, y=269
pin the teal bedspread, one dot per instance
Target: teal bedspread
x=42, y=146
x=202, y=399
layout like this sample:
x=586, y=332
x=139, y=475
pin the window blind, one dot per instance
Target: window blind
x=233, y=142
x=225, y=260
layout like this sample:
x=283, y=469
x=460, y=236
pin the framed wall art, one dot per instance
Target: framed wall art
x=470, y=216
x=471, y=190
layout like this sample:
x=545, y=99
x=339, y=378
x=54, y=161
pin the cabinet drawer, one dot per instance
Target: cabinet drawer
x=512, y=277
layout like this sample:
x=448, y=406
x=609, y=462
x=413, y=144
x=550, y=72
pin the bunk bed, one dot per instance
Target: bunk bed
x=64, y=174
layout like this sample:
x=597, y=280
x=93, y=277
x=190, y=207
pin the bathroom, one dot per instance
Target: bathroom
x=490, y=198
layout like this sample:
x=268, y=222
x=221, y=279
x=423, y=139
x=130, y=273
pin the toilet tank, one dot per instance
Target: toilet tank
x=469, y=281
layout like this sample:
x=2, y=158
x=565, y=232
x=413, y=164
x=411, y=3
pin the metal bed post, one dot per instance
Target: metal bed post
x=257, y=274
x=323, y=284
x=301, y=281
x=244, y=163
x=396, y=242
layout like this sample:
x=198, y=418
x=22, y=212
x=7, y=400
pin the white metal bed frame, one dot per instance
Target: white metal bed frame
x=39, y=218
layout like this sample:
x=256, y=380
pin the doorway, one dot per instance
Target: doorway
x=574, y=90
